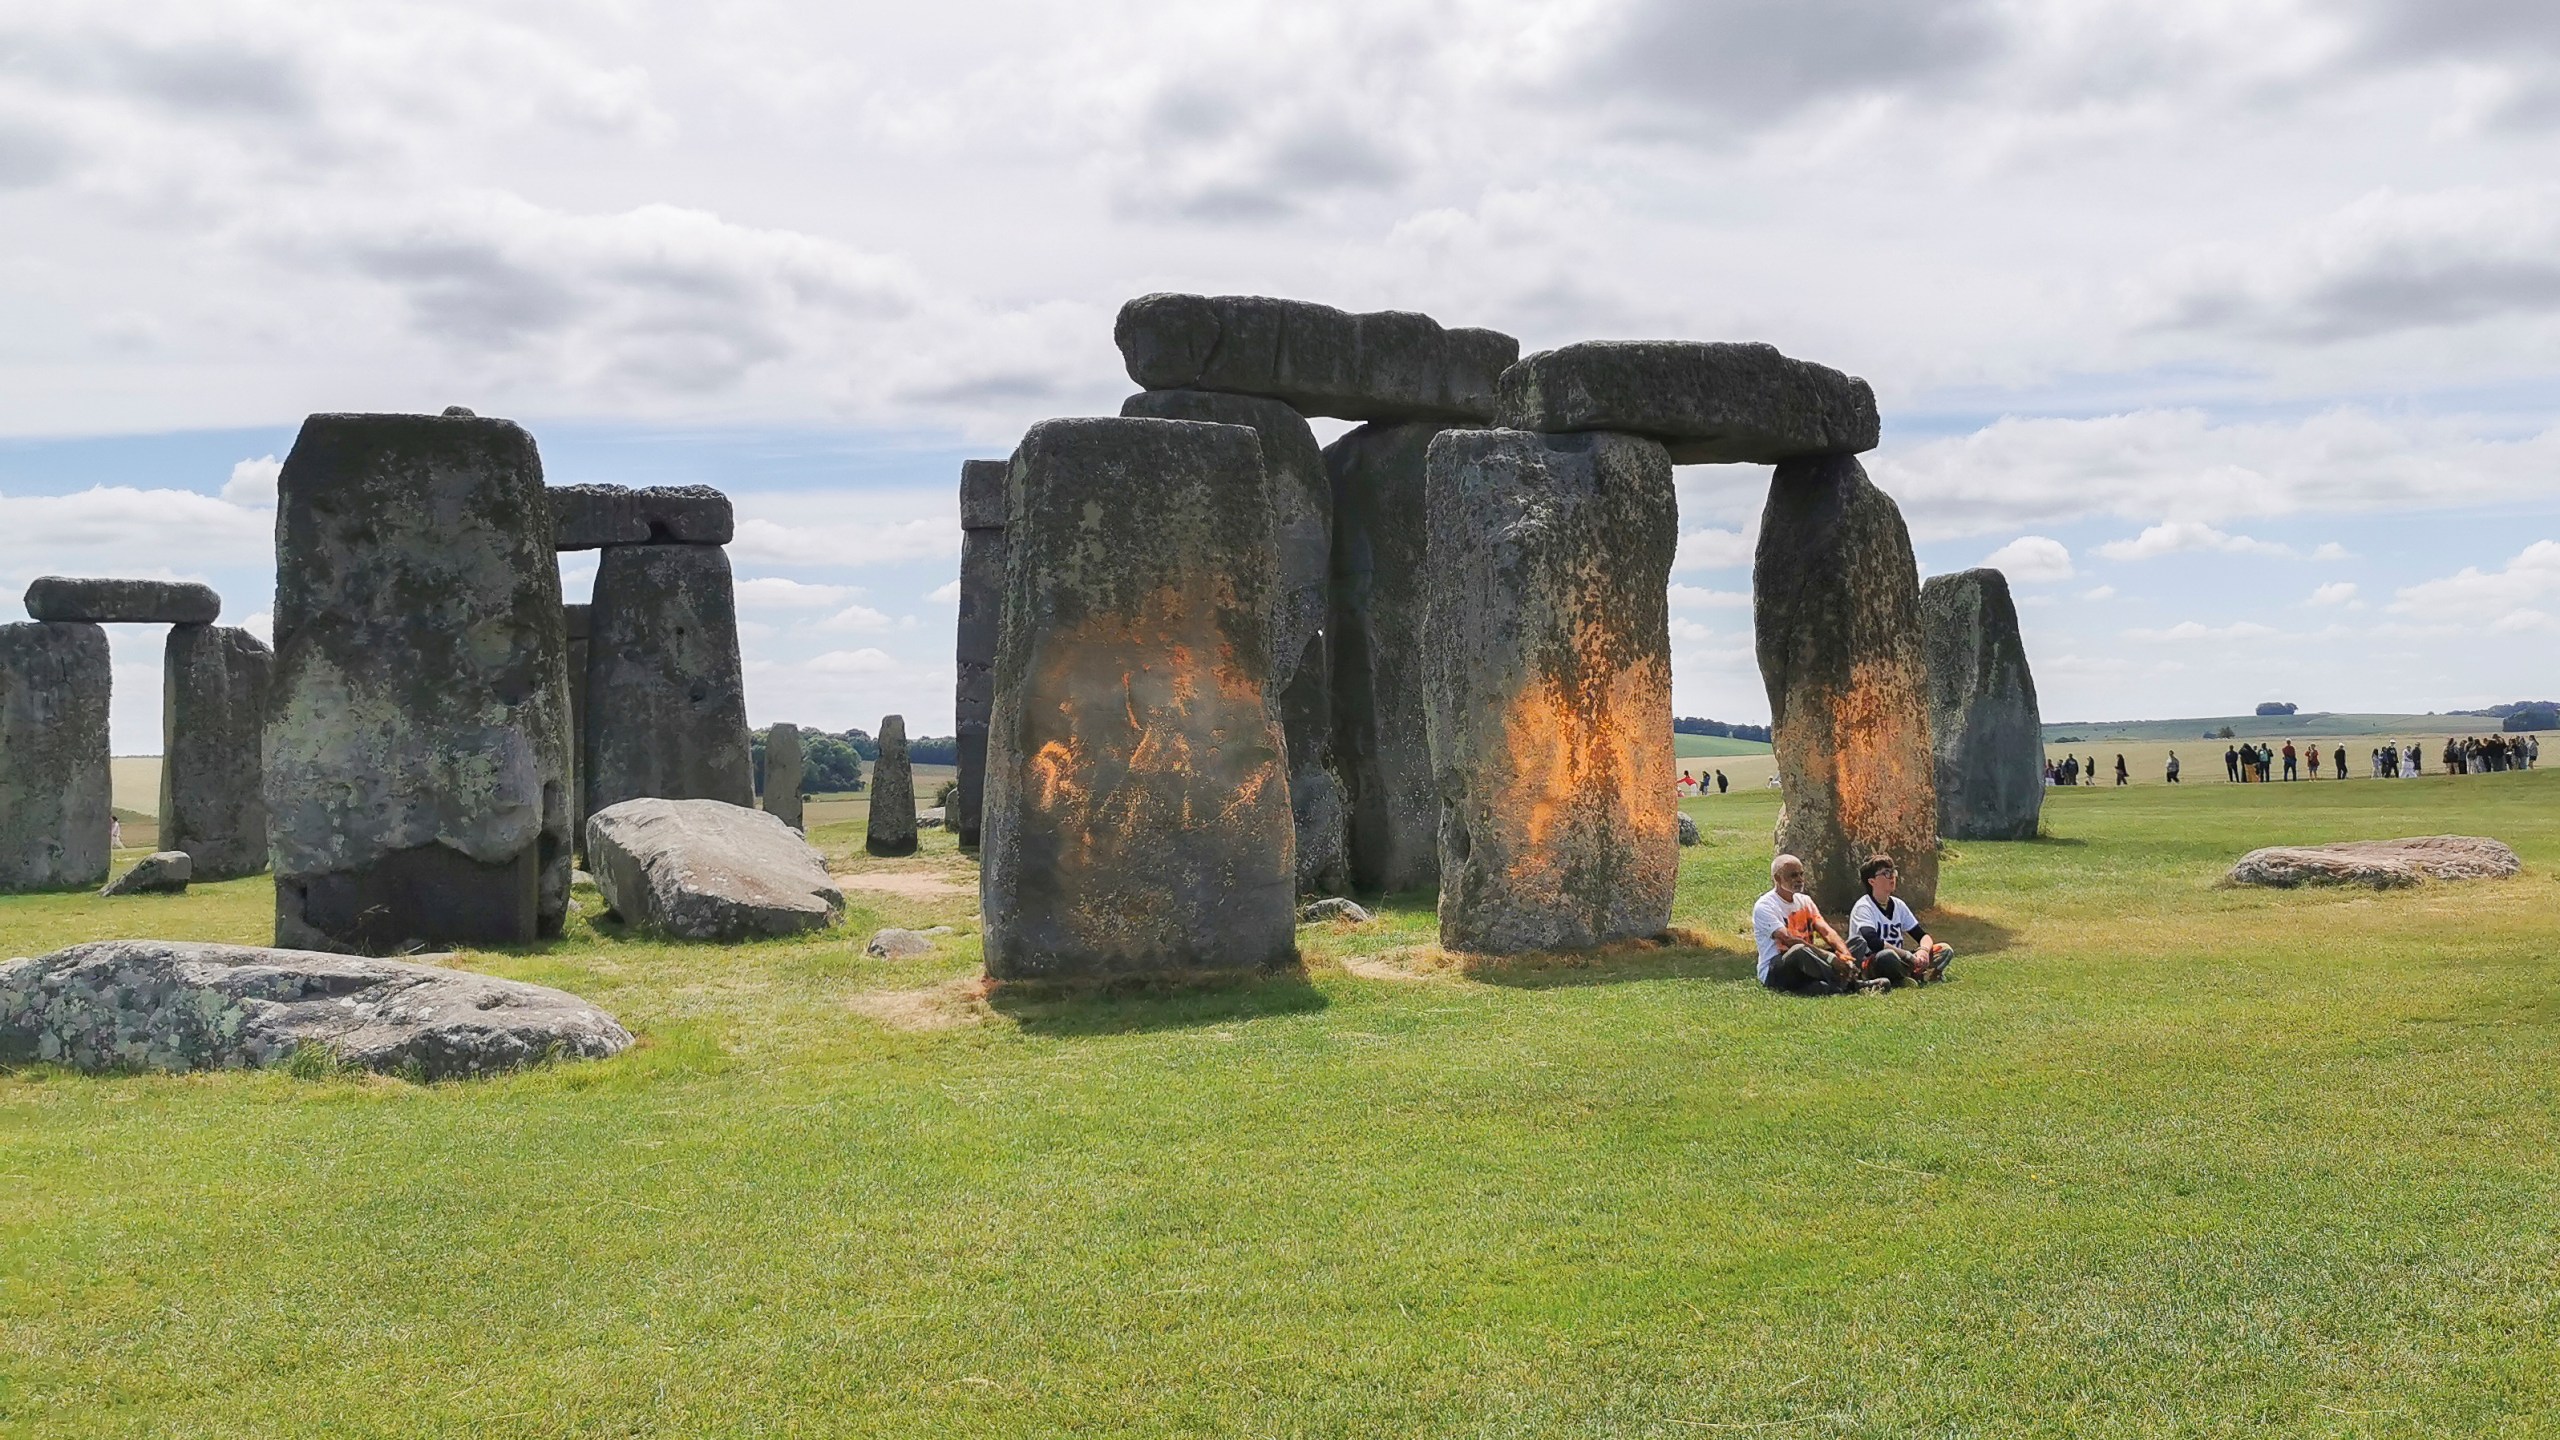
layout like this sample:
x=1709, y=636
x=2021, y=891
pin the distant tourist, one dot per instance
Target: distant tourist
x=1886, y=937
x=2173, y=767
x=2312, y=759
x=2291, y=771
x=1688, y=783
x=115, y=833
x=2231, y=763
x=1722, y=784
x=2123, y=777
x=1789, y=928
x=2341, y=758
x=2417, y=757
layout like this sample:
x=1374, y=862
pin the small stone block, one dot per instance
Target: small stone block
x=163, y=872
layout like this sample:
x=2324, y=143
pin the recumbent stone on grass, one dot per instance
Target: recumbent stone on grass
x=162, y=872
x=2380, y=864
x=707, y=870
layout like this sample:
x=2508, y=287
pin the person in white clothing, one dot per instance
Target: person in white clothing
x=1887, y=937
x=1786, y=924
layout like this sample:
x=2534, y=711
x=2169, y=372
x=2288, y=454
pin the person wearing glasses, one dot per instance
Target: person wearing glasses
x=1885, y=935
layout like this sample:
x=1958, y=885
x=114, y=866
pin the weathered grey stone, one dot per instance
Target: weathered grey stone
x=213, y=707
x=1302, y=524
x=896, y=944
x=1710, y=402
x=708, y=870
x=929, y=819
x=783, y=769
x=1688, y=831
x=581, y=649
x=162, y=872
x=55, y=678
x=1389, y=365
x=590, y=517
x=891, y=828
x=1984, y=728
x=128, y=602
x=417, y=734
x=1382, y=745
x=1137, y=808
x=2379, y=864
x=666, y=698
x=1317, y=912
x=982, y=550
x=1836, y=617
x=1547, y=684
x=181, y=1005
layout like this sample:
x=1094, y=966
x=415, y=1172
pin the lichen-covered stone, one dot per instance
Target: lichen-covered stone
x=982, y=551
x=162, y=872
x=213, y=707
x=180, y=1005
x=666, y=696
x=2378, y=864
x=1382, y=745
x=1389, y=365
x=590, y=517
x=1836, y=617
x=1547, y=684
x=784, y=767
x=1688, y=831
x=417, y=734
x=54, y=794
x=891, y=826
x=1137, y=809
x=705, y=870
x=123, y=602
x=896, y=944
x=1984, y=728
x=1331, y=908
x=1302, y=526
x=1710, y=402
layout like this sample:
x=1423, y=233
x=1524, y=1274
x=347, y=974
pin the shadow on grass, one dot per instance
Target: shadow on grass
x=1139, y=1004
x=1971, y=934
x=1612, y=965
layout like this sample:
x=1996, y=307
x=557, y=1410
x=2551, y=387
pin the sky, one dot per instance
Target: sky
x=2225, y=327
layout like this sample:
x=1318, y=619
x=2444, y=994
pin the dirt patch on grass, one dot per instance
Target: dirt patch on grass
x=950, y=1005
x=1677, y=952
x=906, y=884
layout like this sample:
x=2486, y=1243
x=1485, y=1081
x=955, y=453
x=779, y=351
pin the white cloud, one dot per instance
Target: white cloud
x=2194, y=630
x=947, y=593
x=1715, y=549
x=253, y=482
x=2332, y=550
x=2335, y=593
x=1692, y=597
x=847, y=542
x=2099, y=592
x=2176, y=537
x=857, y=618
x=262, y=625
x=775, y=593
x=107, y=530
x=2504, y=601
x=2032, y=559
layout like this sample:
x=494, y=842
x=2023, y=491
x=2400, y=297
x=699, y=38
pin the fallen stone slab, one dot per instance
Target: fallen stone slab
x=123, y=602
x=213, y=706
x=896, y=944
x=1547, y=684
x=1333, y=907
x=182, y=1005
x=162, y=872
x=1984, y=725
x=1709, y=402
x=1836, y=622
x=55, y=679
x=590, y=517
x=708, y=870
x=2380, y=864
x=1387, y=365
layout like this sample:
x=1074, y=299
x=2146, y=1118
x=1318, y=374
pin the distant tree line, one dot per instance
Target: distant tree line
x=2534, y=715
x=2276, y=707
x=1692, y=725
x=921, y=749
x=829, y=765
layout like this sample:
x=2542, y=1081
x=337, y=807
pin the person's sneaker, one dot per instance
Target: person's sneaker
x=1877, y=986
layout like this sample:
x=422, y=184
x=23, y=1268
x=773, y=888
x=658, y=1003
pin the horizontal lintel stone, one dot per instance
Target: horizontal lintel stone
x=1709, y=402
x=1386, y=365
x=590, y=517
x=125, y=602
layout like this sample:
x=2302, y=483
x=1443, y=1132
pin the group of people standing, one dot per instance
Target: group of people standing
x=2068, y=771
x=1704, y=783
x=2471, y=755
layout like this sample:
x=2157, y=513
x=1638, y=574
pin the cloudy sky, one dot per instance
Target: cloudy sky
x=2229, y=328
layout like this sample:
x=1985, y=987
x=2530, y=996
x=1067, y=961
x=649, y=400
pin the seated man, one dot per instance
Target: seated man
x=1789, y=929
x=1886, y=936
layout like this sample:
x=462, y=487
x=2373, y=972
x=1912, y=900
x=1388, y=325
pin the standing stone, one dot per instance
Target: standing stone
x=580, y=623
x=782, y=771
x=1302, y=523
x=1547, y=682
x=1984, y=729
x=127, y=602
x=982, y=549
x=666, y=698
x=891, y=829
x=417, y=733
x=1389, y=365
x=1382, y=743
x=213, y=707
x=54, y=794
x=1137, y=811
x=1836, y=613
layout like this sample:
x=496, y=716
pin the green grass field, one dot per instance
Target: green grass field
x=1689, y=746
x=2165, y=1159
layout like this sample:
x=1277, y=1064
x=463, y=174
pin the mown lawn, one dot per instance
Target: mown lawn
x=2165, y=1159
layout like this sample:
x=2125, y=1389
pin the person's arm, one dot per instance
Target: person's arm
x=1839, y=946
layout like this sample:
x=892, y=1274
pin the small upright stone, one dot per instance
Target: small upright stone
x=581, y=633
x=1836, y=614
x=1984, y=728
x=891, y=830
x=1382, y=743
x=162, y=872
x=1710, y=402
x=417, y=734
x=123, y=602
x=666, y=696
x=213, y=706
x=590, y=517
x=1302, y=515
x=982, y=551
x=783, y=767
x=54, y=808
x=1390, y=365
x=1548, y=684
x=1137, y=810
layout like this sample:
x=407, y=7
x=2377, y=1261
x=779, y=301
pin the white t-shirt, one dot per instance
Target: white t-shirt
x=1768, y=917
x=1890, y=925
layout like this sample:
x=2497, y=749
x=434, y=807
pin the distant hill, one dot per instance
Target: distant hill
x=2271, y=727
x=1709, y=746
